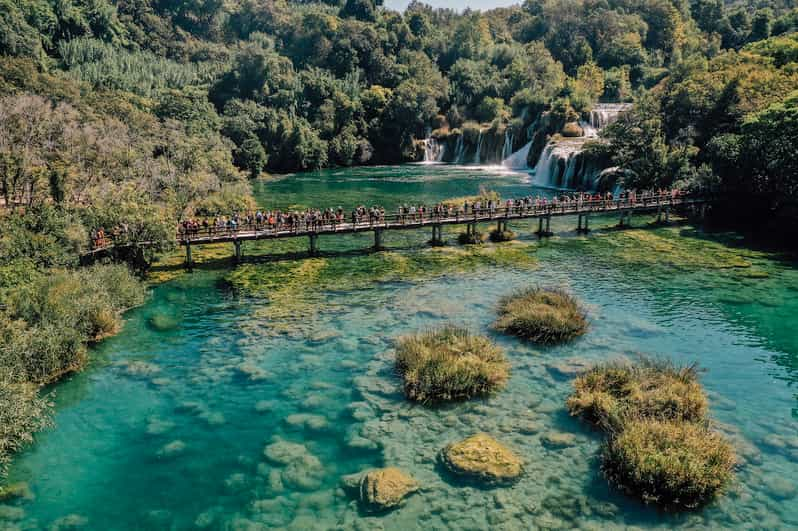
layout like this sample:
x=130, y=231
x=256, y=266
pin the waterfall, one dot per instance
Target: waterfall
x=433, y=150
x=459, y=150
x=477, y=159
x=507, y=150
x=562, y=164
x=517, y=161
x=603, y=114
x=558, y=164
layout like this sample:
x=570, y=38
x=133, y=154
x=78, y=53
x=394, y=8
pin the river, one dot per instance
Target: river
x=167, y=427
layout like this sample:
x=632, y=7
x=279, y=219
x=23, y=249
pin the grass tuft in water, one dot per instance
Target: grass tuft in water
x=541, y=315
x=674, y=464
x=609, y=392
x=450, y=363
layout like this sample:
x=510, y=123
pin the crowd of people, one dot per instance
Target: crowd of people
x=331, y=218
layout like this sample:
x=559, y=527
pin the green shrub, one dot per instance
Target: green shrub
x=22, y=412
x=449, y=363
x=541, y=315
x=607, y=393
x=678, y=465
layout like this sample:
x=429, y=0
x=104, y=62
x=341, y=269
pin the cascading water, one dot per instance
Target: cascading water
x=459, y=150
x=603, y=114
x=433, y=150
x=517, y=160
x=562, y=165
x=507, y=149
x=477, y=158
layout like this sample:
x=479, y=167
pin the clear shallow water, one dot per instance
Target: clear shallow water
x=168, y=427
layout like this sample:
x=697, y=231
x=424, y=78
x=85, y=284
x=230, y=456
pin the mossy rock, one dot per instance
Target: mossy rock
x=162, y=322
x=15, y=491
x=482, y=458
x=498, y=236
x=471, y=239
x=383, y=489
x=572, y=130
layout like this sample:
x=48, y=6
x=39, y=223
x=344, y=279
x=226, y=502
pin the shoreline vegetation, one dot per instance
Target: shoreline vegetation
x=660, y=446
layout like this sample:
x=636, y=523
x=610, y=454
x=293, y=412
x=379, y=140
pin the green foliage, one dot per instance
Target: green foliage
x=22, y=413
x=677, y=465
x=546, y=316
x=449, y=363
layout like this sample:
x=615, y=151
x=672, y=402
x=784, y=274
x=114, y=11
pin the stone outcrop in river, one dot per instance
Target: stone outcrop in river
x=482, y=458
x=383, y=489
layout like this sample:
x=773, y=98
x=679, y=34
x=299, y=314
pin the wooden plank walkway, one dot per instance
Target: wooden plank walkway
x=499, y=215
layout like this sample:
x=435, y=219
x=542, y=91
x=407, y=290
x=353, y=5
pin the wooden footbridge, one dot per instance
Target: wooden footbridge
x=502, y=215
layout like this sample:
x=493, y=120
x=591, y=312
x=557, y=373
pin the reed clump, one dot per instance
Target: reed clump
x=608, y=392
x=450, y=363
x=673, y=463
x=659, y=445
x=541, y=315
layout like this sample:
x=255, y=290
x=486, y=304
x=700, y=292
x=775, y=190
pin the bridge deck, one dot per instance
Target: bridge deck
x=398, y=222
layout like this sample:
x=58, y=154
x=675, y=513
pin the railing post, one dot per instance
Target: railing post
x=189, y=262
x=378, y=240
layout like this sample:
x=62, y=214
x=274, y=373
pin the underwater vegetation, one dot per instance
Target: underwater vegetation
x=449, y=363
x=541, y=315
x=659, y=445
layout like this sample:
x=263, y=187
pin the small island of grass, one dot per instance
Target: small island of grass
x=541, y=315
x=653, y=388
x=675, y=464
x=659, y=445
x=449, y=363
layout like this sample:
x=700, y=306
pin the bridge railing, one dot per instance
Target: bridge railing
x=429, y=217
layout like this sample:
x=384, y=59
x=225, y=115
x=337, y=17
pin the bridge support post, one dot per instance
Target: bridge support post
x=314, y=244
x=540, y=228
x=189, y=262
x=667, y=214
x=437, y=234
x=548, y=224
x=378, y=246
x=237, y=244
x=579, y=223
x=703, y=211
x=659, y=214
x=586, y=226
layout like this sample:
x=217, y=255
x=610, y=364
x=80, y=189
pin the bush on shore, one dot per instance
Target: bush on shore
x=45, y=325
x=607, y=393
x=22, y=413
x=675, y=464
x=449, y=363
x=541, y=315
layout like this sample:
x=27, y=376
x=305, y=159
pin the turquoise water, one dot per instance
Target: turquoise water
x=167, y=429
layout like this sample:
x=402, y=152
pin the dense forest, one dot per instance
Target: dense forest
x=135, y=113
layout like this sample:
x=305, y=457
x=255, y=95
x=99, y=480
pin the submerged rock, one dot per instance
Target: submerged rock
x=172, y=449
x=558, y=439
x=482, y=458
x=15, y=490
x=162, y=322
x=385, y=488
x=70, y=521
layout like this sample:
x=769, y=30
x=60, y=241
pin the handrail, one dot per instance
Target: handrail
x=211, y=234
